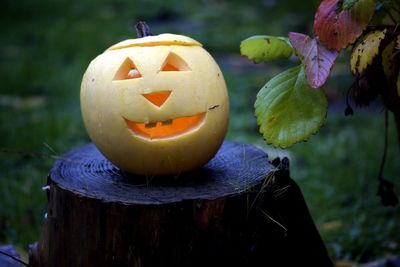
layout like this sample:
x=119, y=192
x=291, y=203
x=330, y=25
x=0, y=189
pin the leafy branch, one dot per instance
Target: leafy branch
x=292, y=105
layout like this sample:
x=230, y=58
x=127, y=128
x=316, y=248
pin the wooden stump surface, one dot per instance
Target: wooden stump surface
x=235, y=168
x=7, y=261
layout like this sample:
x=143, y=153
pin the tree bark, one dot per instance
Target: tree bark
x=238, y=210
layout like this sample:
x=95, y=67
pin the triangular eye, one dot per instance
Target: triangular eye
x=173, y=62
x=127, y=71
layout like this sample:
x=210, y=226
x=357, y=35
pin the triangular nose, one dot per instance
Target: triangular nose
x=158, y=98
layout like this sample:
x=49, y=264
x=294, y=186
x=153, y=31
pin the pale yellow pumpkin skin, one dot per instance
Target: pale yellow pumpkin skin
x=107, y=104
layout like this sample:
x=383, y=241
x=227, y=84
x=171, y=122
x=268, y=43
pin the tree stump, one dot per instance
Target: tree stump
x=237, y=210
x=9, y=257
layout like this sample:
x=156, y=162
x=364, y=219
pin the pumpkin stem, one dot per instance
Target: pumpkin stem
x=142, y=29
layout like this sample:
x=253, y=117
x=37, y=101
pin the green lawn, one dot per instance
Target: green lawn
x=46, y=46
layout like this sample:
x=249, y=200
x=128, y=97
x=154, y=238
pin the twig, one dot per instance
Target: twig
x=349, y=110
x=397, y=120
x=280, y=191
x=275, y=221
x=265, y=183
x=31, y=154
x=385, y=146
x=34, y=154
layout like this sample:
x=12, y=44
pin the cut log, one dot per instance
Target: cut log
x=9, y=257
x=237, y=210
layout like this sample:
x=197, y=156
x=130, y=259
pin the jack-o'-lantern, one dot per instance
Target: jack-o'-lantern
x=155, y=105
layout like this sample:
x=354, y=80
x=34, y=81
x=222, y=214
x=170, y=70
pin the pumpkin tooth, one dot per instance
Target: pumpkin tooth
x=150, y=125
x=167, y=122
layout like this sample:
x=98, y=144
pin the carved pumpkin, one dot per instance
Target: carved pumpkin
x=155, y=105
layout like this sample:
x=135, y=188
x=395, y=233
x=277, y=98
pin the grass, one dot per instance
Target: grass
x=338, y=171
x=47, y=45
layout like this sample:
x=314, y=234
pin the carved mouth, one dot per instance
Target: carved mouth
x=166, y=129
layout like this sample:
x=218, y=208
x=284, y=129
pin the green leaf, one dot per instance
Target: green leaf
x=288, y=110
x=347, y=4
x=265, y=48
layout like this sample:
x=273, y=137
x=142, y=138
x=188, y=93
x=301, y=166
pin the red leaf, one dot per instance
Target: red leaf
x=337, y=29
x=318, y=60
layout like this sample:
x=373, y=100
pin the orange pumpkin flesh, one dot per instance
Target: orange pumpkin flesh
x=170, y=67
x=166, y=129
x=158, y=98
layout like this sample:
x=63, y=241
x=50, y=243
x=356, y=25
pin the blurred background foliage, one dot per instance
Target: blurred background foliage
x=46, y=45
